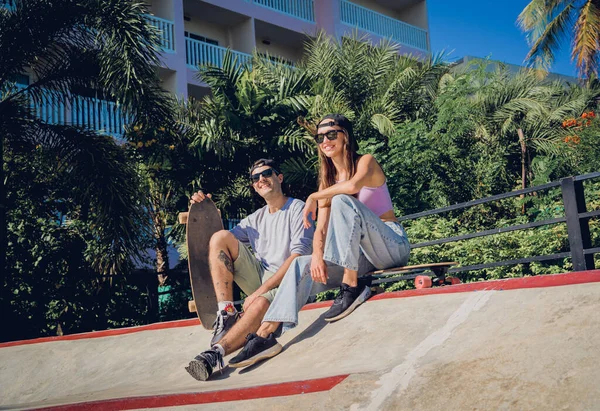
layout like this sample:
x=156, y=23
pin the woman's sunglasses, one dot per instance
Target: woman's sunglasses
x=265, y=173
x=331, y=135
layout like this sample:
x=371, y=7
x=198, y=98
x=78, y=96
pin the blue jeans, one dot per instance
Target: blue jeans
x=357, y=239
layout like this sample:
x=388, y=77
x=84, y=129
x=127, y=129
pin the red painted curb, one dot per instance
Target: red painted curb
x=551, y=280
x=172, y=400
x=105, y=333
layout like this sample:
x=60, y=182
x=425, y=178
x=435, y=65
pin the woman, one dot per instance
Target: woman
x=356, y=231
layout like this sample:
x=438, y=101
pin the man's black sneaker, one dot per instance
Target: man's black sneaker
x=256, y=349
x=222, y=324
x=203, y=365
x=346, y=301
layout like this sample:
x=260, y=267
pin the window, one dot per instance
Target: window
x=201, y=38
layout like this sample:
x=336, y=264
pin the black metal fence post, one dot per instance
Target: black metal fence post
x=577, y=228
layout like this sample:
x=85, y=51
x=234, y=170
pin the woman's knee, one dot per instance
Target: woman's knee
x=342, y=201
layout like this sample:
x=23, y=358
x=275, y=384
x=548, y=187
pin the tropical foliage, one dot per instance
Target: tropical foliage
x=549, y=24
x=74, y=210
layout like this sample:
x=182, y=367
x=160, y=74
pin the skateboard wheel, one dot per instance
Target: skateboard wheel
x=422, y=281
x=453, y=280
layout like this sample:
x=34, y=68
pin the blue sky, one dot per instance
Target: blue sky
x=484, y=29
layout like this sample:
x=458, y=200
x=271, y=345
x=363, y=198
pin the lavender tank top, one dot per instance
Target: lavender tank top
x=377, y=199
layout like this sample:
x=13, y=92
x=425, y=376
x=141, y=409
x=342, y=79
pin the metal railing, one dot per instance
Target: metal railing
x=98, y=115
x=92, y=113
x=377, y=23
x=301, y=9
x=9, y=4
x=52, y=109
x=199, y=53
x=576, y=218
x=166, y=31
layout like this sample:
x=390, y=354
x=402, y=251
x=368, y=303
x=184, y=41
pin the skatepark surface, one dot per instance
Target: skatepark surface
x=524, y=344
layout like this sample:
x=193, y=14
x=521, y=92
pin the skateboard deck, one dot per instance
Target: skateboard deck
x=203, y=220
x=425, y=275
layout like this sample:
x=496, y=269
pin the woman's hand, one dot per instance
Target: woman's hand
x=199, y=197
x=251, y=298
x=318, y=269
x=310, y=211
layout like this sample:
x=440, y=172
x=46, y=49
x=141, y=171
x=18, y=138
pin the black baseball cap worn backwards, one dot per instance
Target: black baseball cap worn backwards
x=265, y=162
x=336, y=120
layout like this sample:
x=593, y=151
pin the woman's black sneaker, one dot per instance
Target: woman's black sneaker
x=256, y=349
x=346, y=301
x=203, y=365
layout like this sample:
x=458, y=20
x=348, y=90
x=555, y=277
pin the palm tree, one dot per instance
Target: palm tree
x=68, y=47
x=550, y=23
x=524, y=114
x=251, y=113
x=374, y=86
x=254, y=109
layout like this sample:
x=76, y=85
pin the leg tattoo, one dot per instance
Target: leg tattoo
x=226, y=260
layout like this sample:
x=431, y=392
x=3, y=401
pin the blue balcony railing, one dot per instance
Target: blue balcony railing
x=166, y=30
x=102, y=116
x=199, y=53
x=9, y=4
x=301, y=9
x=99, y=115
x=384, y=26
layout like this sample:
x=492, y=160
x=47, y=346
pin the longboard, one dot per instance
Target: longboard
x=203, y=220
x=424, y=275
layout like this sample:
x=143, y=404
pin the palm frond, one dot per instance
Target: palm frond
x=586, y=47
x=301, y=172
x=547, y=24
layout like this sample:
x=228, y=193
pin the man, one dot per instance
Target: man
x=277, y=236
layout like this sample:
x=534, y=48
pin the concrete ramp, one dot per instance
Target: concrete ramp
x=530, y=343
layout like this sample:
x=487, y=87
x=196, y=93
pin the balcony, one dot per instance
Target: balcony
x=199, y=53
x=166, y=32
x=104, y=117
x=9, y=4
x=301, y=9
x=384, y=26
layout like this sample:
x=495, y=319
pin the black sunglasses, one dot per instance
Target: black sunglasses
x=265, y=173
x=331, y=135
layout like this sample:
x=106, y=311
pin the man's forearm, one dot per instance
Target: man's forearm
x=275, y=280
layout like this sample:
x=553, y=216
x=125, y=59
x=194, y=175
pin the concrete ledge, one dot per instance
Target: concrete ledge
x=552, y=280
x=528, y=343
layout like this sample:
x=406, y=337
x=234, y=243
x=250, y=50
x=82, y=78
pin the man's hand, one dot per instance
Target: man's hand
x=199, y=197
x=318, y=269
x=251, y=298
